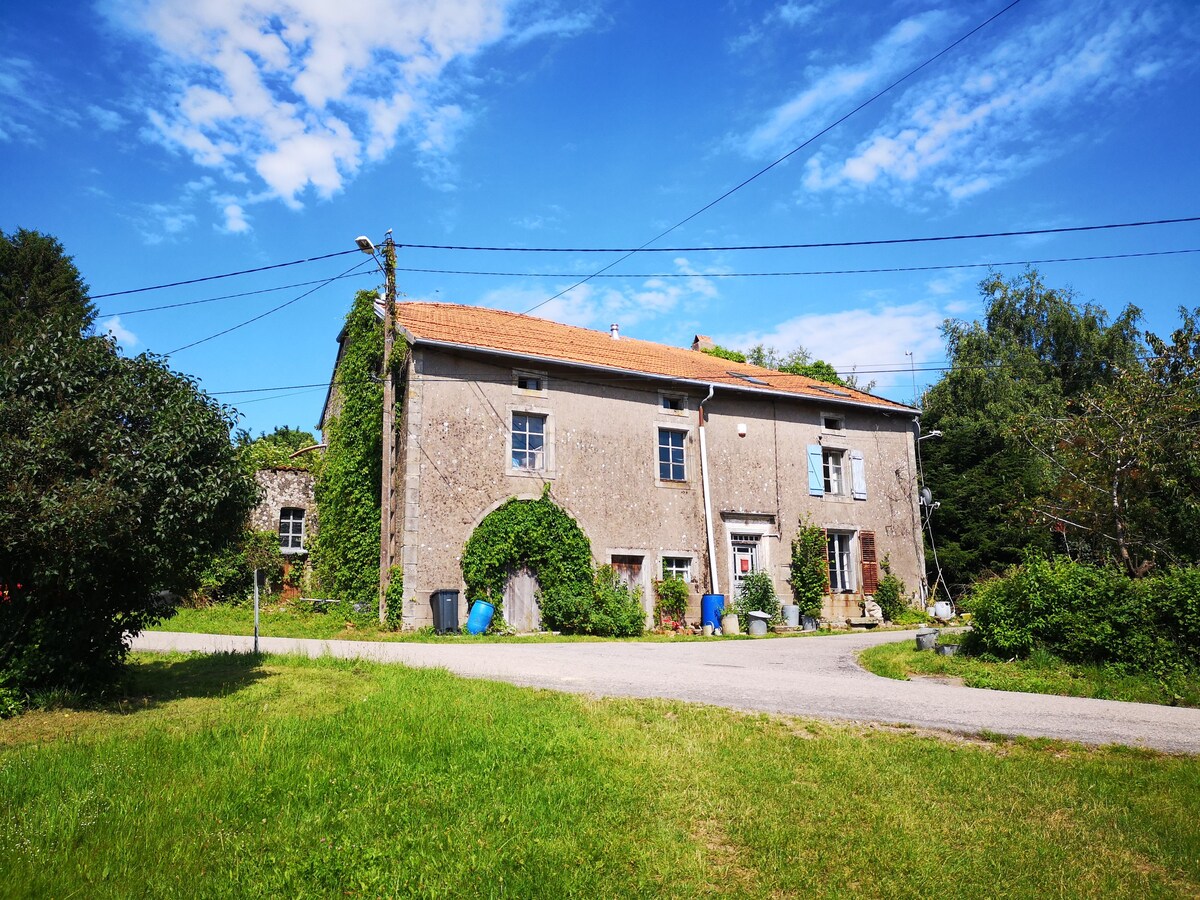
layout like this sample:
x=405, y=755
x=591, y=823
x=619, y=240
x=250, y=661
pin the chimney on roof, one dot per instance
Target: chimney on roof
x=614, y=331
x=702, y=342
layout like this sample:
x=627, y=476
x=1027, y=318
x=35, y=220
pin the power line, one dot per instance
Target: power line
x=270, y=311
x=282, y=287
x=787, y=155
x=883, y=270
x=824, y=245
x=159, y=287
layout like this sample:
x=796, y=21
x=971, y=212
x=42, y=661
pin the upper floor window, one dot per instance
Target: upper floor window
x=832, y=423
x=291, y=529
x=528, y=441
x=831, y=470
x=529, y=383
x=671, y=465
x=673, y=403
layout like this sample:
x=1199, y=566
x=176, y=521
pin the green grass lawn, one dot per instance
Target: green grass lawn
x=240, y=776
x=1042, y=673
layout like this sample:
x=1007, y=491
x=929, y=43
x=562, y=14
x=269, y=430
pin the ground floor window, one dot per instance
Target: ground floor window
x=291, y=529
x=841, y=572
x=677, y=567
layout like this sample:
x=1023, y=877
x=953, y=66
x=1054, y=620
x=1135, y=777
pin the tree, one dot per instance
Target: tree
x=1035, y=349
x=41, y=291
x=117, y=480
x=1124, y=459
x=795, y=362
x=275, y=450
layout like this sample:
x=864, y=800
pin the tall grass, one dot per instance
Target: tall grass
x=234, y=776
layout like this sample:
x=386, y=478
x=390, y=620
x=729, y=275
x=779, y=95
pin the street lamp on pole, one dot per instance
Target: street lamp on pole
x=388, y=488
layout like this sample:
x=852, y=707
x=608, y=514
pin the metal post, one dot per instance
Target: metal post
x=256, y=611
x=387, y=493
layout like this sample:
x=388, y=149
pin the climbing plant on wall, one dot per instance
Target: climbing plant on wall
x=535, y=534
x=348, y=487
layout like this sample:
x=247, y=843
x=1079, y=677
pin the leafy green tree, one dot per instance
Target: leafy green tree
x=117, y=481
x=1124, y=459
x=275, y=450
x=41, y=291
x=1034, y=350
x=795, y=362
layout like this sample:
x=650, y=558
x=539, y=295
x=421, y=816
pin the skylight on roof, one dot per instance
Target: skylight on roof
x=751, y=378
x=833, y=391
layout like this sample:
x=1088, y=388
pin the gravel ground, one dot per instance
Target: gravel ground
x=815, y=677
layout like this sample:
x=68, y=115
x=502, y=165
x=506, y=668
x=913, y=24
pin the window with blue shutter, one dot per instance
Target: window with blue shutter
x=858, y=475
x=816, y=477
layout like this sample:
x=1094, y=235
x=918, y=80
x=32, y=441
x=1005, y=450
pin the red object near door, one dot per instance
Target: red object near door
x=745, y=565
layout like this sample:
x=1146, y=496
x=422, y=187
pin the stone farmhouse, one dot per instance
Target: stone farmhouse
x=671, y=460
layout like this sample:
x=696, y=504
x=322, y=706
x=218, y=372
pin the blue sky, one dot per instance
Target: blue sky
x=165, y=140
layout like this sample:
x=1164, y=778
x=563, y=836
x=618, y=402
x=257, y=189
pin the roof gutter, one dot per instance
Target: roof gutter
x=713, y=585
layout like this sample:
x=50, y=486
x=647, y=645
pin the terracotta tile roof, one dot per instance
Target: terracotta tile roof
x=532, y=337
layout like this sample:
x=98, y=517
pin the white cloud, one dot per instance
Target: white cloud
x=122, y=335
x=594, y=305
x=106, y=119
x=992, y=115
x=807, y=111
x=301, y=92
x=863, y=339
x=235, y=219
x=788, y=14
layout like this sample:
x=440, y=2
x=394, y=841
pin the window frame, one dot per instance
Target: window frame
x=292, y=535
x=659, y=446
x=524, y=374
x=542, y=454
x=828, y=455
x=683, y=573
x=666, y=397
x=841, y=572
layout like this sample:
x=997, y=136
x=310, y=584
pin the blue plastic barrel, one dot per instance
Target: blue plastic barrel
x=480, y=617
x=710, y=606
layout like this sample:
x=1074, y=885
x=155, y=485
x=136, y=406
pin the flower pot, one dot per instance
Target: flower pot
x=810, y=623
x=729, y=624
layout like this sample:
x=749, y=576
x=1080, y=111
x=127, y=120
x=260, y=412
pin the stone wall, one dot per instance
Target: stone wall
x=283, y=488
x=601, y=464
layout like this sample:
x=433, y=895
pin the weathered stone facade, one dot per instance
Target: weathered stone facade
x=602, y=433
x=282, y=489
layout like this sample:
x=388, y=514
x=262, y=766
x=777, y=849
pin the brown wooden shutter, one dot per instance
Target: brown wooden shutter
x=870, y=566
x=828, y=586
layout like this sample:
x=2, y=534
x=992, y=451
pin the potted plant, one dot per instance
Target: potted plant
x=729, y=621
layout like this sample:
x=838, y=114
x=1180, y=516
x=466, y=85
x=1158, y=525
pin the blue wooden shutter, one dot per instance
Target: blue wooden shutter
x=858, y=475
x=816, y=478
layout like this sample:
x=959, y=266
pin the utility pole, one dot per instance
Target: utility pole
x=388, y=492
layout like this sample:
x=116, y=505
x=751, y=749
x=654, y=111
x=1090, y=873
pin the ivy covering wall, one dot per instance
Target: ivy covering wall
x=535, y=534
x=348, y=487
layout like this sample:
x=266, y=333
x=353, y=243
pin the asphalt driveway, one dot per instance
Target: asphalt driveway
x=815, y=677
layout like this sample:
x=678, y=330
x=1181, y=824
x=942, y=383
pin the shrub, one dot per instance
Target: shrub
x=809, y=569
x=757, y=592
x=610, y=608
x=229, y=576
x=1090, y=614
x=671, y=597
x=890, y=595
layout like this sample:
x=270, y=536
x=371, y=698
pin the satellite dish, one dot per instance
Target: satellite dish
x=926, y=497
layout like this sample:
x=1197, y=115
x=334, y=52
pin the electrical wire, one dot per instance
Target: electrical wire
x=269, y=311
x=282, y=287
x=787, y=155
x=882, y=270
x=823, y=245
x=159, y=287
